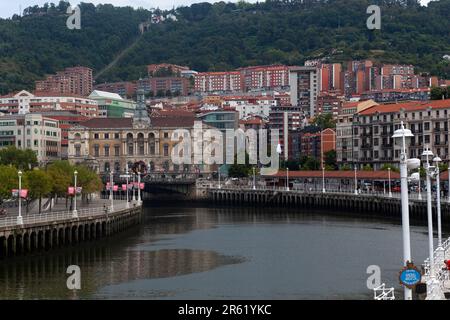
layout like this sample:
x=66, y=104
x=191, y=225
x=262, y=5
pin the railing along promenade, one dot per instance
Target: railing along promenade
x=47, y=230
x=363, y=202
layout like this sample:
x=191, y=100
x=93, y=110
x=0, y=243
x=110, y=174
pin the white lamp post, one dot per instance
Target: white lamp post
x=389, y=186
x=75, y=212
x=403, y=134
x=287, y=179
x=254, y=179
x=437, y=160
x=323, y=179
x=111, y=186
x=420, y=188
x=126, y=176
x=427, y=153
x=356, y=183
x=139, y=188
x=19, y=217
x=133, y=198
x=218, y=173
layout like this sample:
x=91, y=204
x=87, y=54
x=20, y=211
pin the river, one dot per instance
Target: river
x=193, y=251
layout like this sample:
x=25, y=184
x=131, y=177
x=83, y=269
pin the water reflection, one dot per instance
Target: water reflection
x=220, y=253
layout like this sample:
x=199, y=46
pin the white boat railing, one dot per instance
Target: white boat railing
x=383, y=293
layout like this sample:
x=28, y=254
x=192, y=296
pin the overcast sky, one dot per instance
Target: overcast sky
x=10, y=7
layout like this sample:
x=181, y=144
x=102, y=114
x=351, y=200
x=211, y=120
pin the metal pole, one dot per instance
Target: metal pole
x=75, y=212
x=430, y=219
x=405, y=218
x=254, y=182
x=126, y=174
x=19, y=217
x=111, y=185
x=420, y=188
x=287, y=179
x=356, y=183
x=323, y=180
x=438, y=205
x=405, y=209
x=218, y=171
x=139, y=187
x=389, y=177
x=134, y=193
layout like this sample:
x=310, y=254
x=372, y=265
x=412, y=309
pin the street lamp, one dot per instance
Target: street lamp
x=19, y=217
x=420, y=189
x=403, y=134
x=139, y=188
x=218, y=173
x=254, y=182
x=323, y=179
x=126, y=176
x=75, y=212
x=111, y=186
x=356, y=183
x=389, y=177
x=287, y=179
x=437, y=160
x=429, y=172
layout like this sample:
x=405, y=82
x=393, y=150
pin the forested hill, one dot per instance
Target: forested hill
x=222, y=36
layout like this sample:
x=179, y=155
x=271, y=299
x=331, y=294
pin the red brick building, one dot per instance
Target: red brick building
x=76, y=80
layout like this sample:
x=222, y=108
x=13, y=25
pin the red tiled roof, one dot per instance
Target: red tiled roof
x=408, y=106
x=369, y=175
x=110, y=123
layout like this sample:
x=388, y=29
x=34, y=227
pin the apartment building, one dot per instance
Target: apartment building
x=287, y=120
x=126, y=89
x=344, y=129
x=304, y=84
x=32, y=131
x=373, y=127
x=75, y=80
x=265, y=77
x=250, y=105
x=25, y=102
x=219, y=82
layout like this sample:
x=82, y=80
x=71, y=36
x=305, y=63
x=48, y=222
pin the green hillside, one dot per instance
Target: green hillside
x=222, y=36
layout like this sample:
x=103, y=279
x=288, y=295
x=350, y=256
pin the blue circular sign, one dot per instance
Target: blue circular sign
x=410, y=277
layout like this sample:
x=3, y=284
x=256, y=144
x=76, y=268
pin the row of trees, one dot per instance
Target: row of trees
x=437, y=93
x=49, y=182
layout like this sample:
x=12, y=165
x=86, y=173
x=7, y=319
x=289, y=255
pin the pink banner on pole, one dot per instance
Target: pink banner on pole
x=142, y=186
x=23, y=193
x=124, y=187
x=71, y=191
x=115, y=188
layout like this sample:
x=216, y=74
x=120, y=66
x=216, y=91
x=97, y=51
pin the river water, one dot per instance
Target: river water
x=200, y=252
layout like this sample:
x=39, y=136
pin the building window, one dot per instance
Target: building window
x=106, y=151
x=166, y=150
x=116, y=136
x=95, y=135
x=106, y=135
x=96, y=150
x=77, y=150
x=107, y=167
x=117, y=151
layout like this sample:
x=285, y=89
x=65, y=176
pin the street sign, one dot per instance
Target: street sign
x=409, y=276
